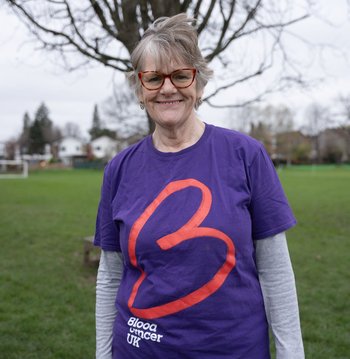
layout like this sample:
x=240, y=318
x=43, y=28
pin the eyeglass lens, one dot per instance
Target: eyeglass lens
x=153, y=80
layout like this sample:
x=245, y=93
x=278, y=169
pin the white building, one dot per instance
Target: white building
x=104, y=147
x=69, y=148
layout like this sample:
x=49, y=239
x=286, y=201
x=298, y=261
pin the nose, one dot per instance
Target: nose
x=168, y=86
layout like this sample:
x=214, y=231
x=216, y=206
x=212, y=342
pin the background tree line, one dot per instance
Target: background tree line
x=319, y=135
x=39, y=134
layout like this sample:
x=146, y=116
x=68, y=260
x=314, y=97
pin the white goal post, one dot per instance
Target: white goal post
x=13, y=169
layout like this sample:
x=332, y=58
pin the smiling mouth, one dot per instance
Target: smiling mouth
x=173, y=102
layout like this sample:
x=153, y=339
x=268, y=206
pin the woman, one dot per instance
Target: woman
x=191, y=222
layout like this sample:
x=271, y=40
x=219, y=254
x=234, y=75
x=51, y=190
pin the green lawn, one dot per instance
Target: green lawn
x=320, y=251
x=47, y=295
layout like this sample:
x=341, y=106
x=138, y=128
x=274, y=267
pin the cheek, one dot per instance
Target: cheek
x=146, y=97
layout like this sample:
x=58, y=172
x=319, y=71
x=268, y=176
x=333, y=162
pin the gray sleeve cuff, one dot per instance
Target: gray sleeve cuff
x=108, y=280
x=280, y=298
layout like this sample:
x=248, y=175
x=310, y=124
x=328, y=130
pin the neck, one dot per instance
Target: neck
x=174, y=139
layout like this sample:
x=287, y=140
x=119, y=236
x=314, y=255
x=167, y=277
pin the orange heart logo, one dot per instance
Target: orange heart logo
x=188, y=231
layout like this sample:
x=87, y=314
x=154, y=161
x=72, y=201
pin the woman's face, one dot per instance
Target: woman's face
x=169, y=106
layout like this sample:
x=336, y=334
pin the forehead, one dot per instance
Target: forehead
x=165, y=64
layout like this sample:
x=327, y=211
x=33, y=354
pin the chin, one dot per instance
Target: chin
x=169, y=118
x=169, y=122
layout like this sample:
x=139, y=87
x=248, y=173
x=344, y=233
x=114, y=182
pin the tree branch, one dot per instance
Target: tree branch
x=205, y=20
x=280, y=26
x=144, y=15
x=185, y=5
x=95, y=55
x=220, y=47
x=262, y=68
x=99, y=12
x=107, y=31
x=197, y=8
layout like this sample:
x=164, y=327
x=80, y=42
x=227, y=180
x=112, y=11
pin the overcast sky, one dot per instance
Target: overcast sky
x=28, y=77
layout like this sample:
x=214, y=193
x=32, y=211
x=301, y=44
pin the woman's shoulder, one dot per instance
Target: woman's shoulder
x=127, y=152
x=235, y=139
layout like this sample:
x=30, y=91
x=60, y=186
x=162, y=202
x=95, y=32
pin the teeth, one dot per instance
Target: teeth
x=169, y=102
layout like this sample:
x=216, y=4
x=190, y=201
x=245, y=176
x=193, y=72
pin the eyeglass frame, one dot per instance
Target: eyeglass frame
x=165, y=76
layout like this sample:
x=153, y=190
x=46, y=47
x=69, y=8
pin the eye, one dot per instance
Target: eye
x=182, y=75
x=152, y=78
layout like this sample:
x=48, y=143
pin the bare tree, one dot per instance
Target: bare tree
x=317, y=117
x=106, y=31
x=24, y=139
x=278, y=118
x=281, y=118
x=242, y=118
x=122, y=109
x=281, y=124
x=71, y=129
x=262, y=132
x=333, y=145
x=344, y=104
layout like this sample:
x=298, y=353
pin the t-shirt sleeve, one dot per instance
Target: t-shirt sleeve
x=106, y=232
x=269, y=208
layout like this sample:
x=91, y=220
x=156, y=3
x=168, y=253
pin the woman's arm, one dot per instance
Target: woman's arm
x=278, y=287
x=108, y=280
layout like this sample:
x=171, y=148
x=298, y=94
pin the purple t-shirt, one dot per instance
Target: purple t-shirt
x=185, y=223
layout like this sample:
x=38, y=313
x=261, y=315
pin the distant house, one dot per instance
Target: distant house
x=104, y=147
x=70, y=148
x=334, y=145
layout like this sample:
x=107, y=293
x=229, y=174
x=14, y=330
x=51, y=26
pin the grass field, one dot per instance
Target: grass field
x=47, y=295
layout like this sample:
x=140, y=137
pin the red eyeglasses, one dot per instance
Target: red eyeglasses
x=153, y=80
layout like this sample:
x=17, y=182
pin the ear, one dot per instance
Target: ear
x=139, y=95
x=200, y=93
x=198, y=99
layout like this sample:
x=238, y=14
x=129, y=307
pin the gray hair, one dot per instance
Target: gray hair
x=170, y=39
